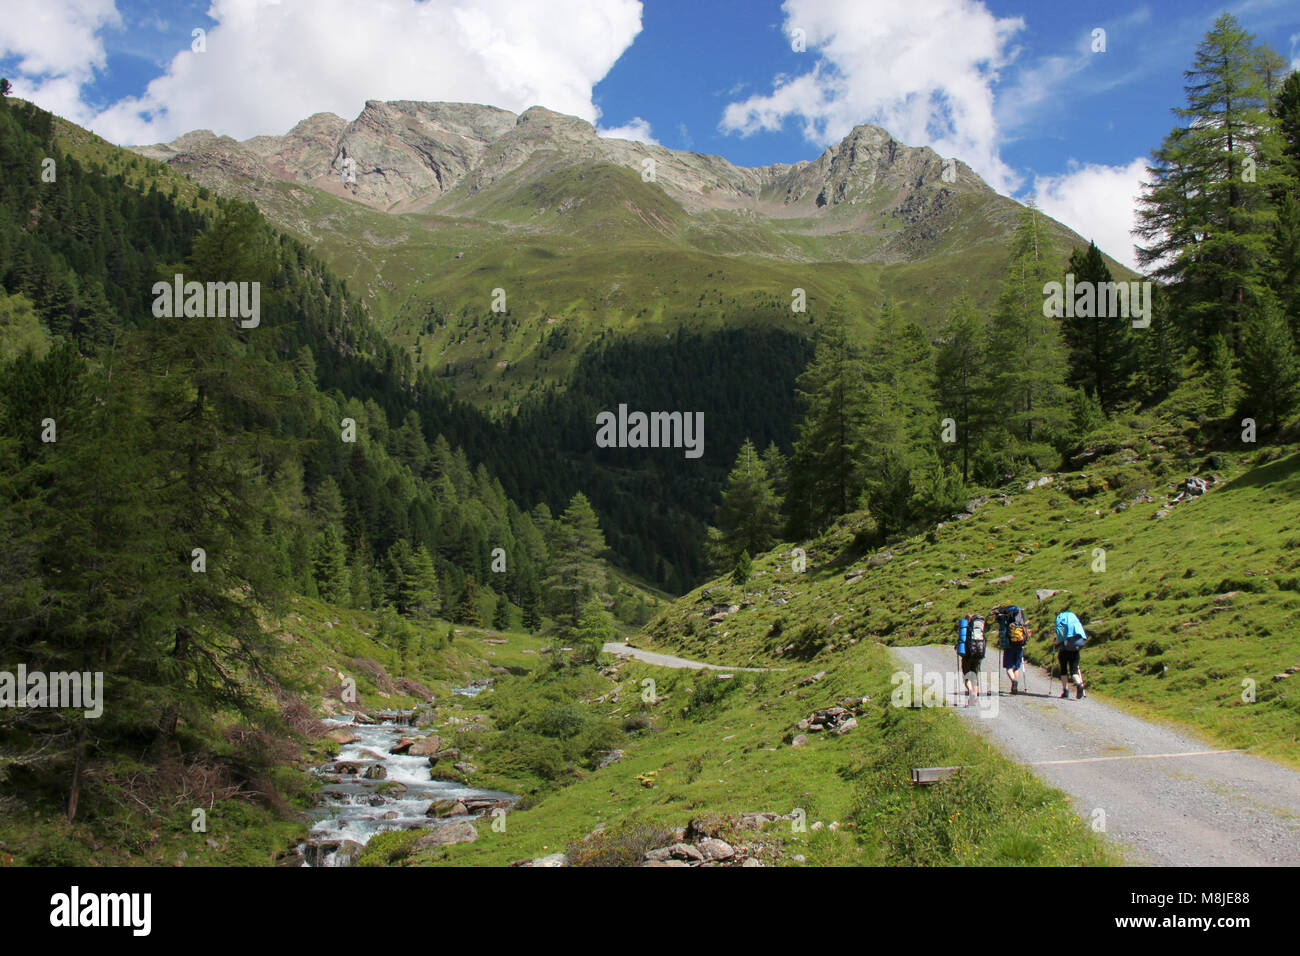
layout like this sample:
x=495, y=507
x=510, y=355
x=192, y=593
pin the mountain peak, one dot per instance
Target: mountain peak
x=399, y=155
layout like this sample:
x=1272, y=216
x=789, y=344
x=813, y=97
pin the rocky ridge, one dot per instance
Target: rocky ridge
x=403, y=155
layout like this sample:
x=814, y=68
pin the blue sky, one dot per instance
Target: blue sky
x=1013, y=88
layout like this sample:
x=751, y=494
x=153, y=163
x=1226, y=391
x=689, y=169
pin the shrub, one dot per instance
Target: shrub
x=560, y=721
x=622, y=845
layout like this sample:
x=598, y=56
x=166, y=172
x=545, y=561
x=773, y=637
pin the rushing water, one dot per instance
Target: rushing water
x=355, y=810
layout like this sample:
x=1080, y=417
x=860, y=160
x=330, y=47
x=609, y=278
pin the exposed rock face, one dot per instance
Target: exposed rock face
x=402, y=155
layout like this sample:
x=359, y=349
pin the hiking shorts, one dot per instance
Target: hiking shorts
x=1013, y=655
x=971, y=665
x=1069, y=661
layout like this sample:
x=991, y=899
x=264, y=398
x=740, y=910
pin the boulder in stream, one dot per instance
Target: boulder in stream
x=447, y=808
x=461, y=831
x=331, y=852
x=425, y=746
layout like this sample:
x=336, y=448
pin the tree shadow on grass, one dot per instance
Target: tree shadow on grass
x=1283, y=475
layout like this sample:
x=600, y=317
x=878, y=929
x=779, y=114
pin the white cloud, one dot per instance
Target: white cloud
x=58, y=47
x=270, y=63
x=923, y=70
x=1097, y=201
x=638, y=130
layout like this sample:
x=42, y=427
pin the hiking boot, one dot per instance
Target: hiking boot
x=1078, y=694
x=1065, y=694
x=1015, y=687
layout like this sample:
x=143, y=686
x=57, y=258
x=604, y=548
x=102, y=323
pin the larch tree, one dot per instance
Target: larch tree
x=1206, y=214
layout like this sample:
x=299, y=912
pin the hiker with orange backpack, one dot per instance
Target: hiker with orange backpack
x=1013, y=634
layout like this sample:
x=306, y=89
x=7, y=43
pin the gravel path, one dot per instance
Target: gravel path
x=1169, y=799
x=667, y=660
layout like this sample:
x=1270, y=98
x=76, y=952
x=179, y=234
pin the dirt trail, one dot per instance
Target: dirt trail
x=667, y=660
x=1169, y=799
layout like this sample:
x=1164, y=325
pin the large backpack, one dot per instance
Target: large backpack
x=1013, y=629
x=975, y=643
x=1070, y=630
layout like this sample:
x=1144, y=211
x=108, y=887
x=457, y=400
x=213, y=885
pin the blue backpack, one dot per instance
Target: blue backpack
x=970, y=637
x=1069, y=629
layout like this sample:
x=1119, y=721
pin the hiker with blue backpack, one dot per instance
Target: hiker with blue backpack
x=1070, y=638
x=970, y=653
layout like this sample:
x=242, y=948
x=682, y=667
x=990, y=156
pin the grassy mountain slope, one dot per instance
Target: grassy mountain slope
x=568, y=225
x=713, y=748
x=1191, y=612
x=1189, y=607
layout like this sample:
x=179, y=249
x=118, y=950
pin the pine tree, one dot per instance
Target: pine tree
x=961, y=380
x=1160, y=350
x=778, y=474
x=327, y=503
x=1099, y=346
x=1220, y=376
x=898, y=418
x=824, y=478
x=394, y=632
x=746, y=518
x=744, y=568
x=594, y=630
x=330, y=567
x=423, y=591
x=1086, y=414
x=501, y=616
x=359, y=572
x=1284, y=251
x=1207, y=211
x=467, y=609
x=1270, y=367
x=530, y=601
x=1284, y=246
x=532, y=616
x=1286, y=111
x=211, y=401
x=399, y=577
x=576, y=570
x=1027, y=367
x=20, y=327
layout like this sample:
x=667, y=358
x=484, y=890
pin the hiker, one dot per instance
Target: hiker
x=970, y=653
x=1070, y=638
x=1013, y=633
